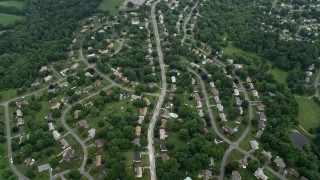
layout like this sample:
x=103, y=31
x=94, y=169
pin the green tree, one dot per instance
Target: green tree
x=74, y=174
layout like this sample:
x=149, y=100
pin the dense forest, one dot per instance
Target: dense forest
x=240, y=22
x=41, y=39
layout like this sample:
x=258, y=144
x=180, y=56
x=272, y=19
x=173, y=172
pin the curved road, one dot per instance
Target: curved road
x=186, y=22
x=161, y=96
x=13, y=167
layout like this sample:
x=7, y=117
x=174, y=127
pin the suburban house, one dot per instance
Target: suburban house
x=170, y=97
x=223, y=117
x=64, y=143
x=199, y=104
x=35, y=84
x=20, y=122
x=138, y=130
x=98, y=143
x=251, y=86
x=236, y=92
x=56, y=135
x=83, y=123
x=51, y=126
x=262, y=125
x=212, y=85
x=200, y=112
x=214, y=91
x=217, y=99
x=195, y=89
x=259, y=133
x=248, y=80
x=147, y=101
x=164, y=157
x=138, y=171
x=163, y=123
x=220, y=107
x=243, y=163
x=136, y=142
x=238, y=101
x=262, y=116
x=44, y=167
x=235, y=175
x=56, y=106
x=173, y=79
x=67, y=154
x=92, y=133
x=143, y=111
x=293, y=172
x=266, y=154
x=255, y=93
x=48, y=78
x=279, y=162
x=196, y=96
x=65, y=100
x=98, y=161
x=207, y=174
x=137, y=156
x=162, y=134
x=239, y=119
x=163, y=147
x=29, y=161
x=260, y=174
x=228, y=129
x=22, y=130
x=49, y=117
x=260, y=106
x=19, y=113
x=254, y=144
x=76, y=114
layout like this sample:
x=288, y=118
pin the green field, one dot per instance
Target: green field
x=7, y=19
x=17, y=4
x=308, y=113
x=233, y=51
x=111, y=6
x=279, y=75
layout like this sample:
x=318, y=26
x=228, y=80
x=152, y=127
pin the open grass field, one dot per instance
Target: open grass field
x=111, y=6
x=233, y=51
x=279, y=75
x=308, y=113
x=17, y=4
x=6, y=19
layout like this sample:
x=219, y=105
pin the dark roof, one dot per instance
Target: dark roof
x=137, y=156
x=262, y=125
x=68, y=153
x=163, y=146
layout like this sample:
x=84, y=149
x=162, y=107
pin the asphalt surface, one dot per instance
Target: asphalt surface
x=161, y=96
x=186, y=22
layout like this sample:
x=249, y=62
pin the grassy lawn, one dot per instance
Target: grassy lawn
x=279, y=75
x=111, y=6
x=6, y=19
x=8, y=94
x=245, y=143
x=308, y=113
x=269, y=174
x=233, y=51
x=234, y=156
x=17, y=4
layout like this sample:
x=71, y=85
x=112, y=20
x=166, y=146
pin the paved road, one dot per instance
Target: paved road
x=13, y=167
x=161, y=96
x=186, y=22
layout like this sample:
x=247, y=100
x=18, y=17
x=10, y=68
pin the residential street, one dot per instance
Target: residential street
x=186, y=22
x=161, y=97
x=13, y=167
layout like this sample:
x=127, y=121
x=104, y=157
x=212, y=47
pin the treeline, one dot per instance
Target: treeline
x=11, y=10
x=43, y=38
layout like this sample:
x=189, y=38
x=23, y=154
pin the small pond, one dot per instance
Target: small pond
x=299, y=140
